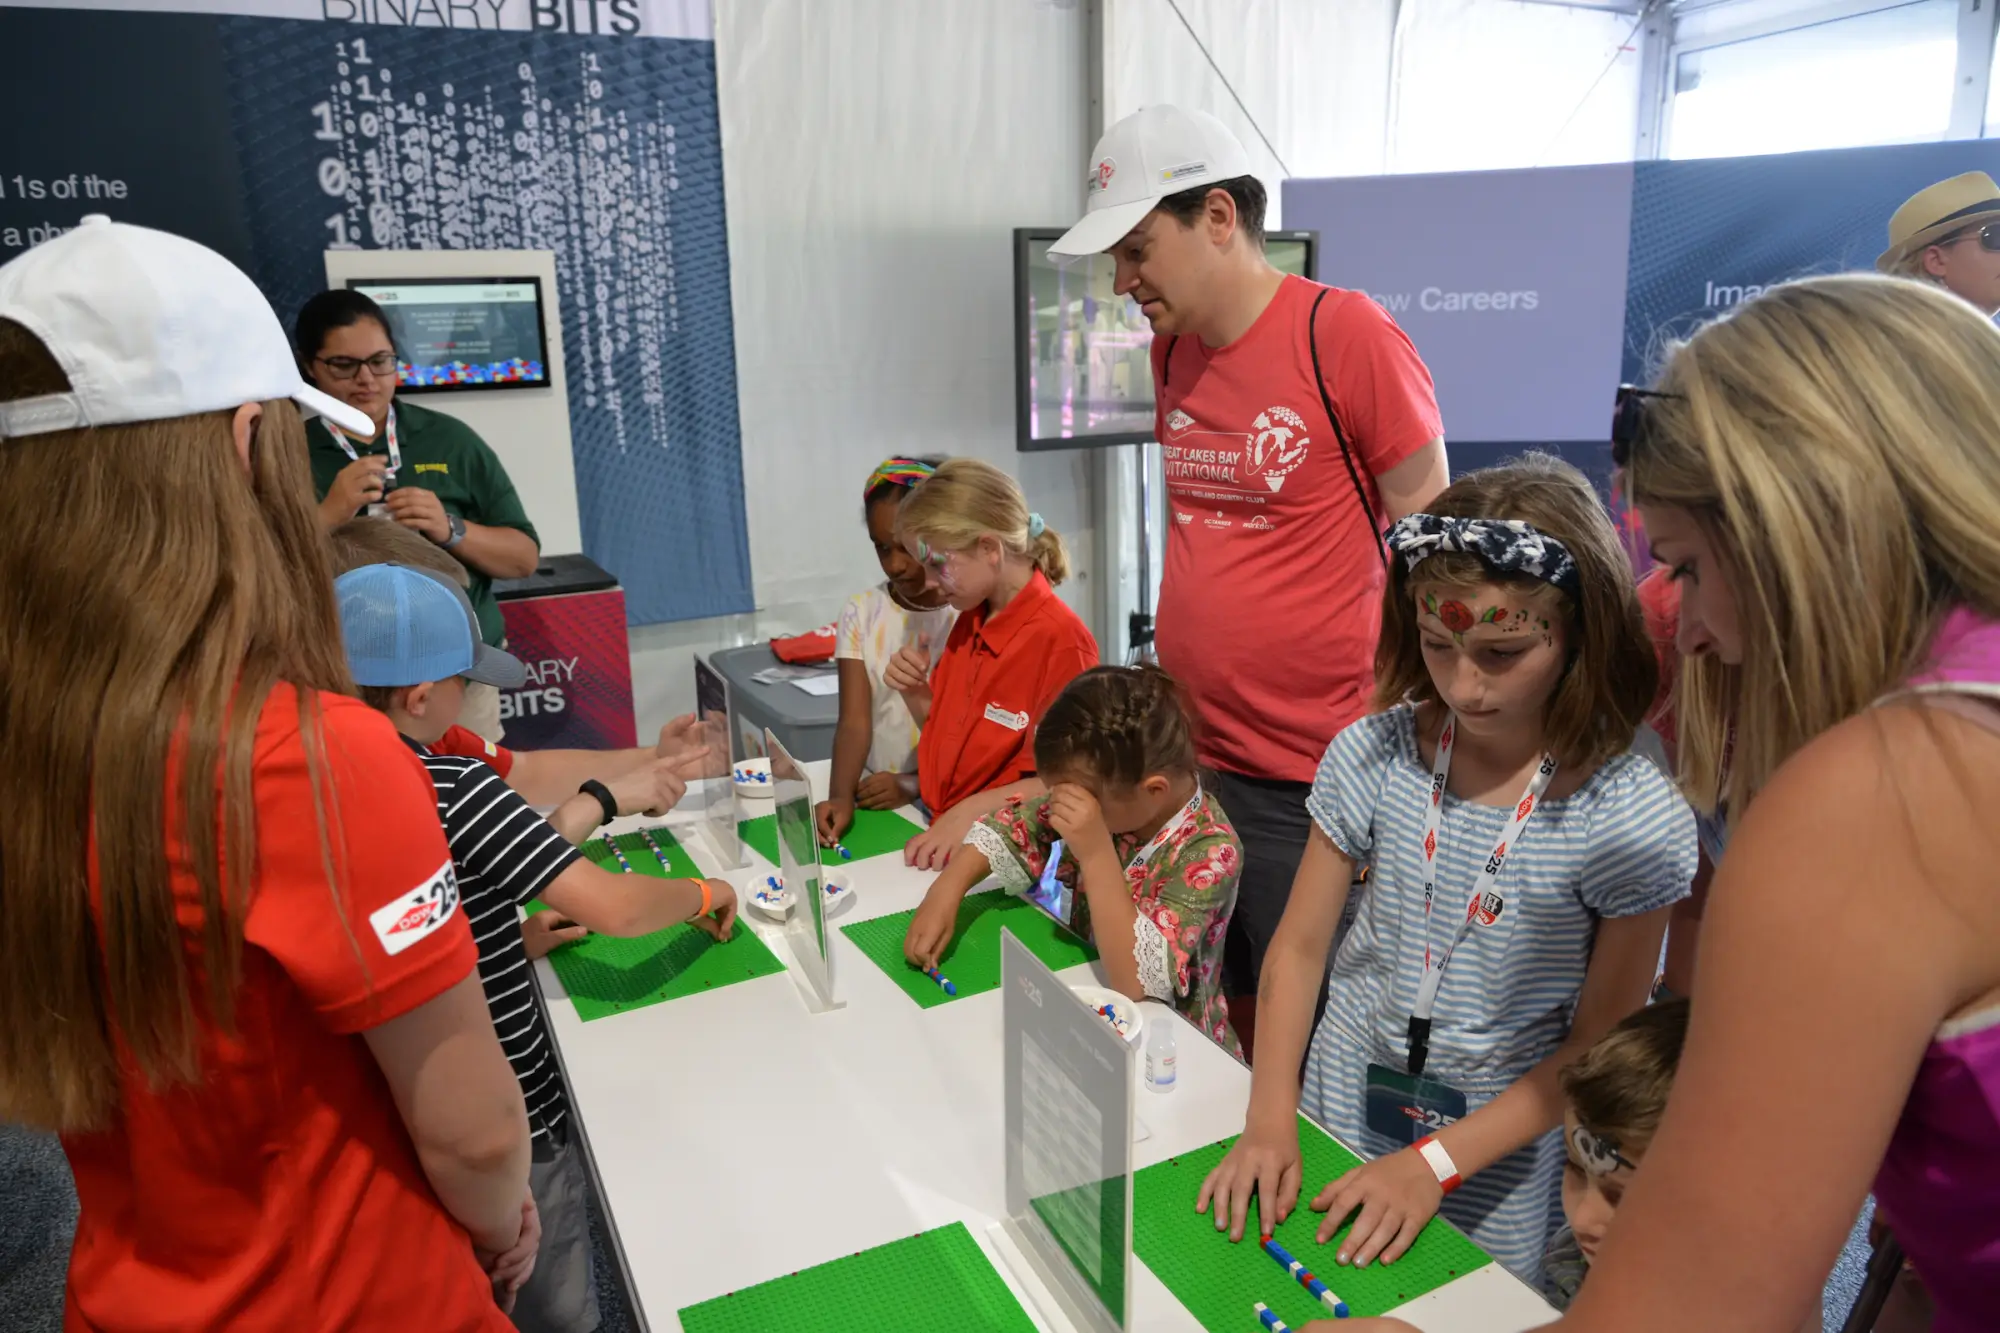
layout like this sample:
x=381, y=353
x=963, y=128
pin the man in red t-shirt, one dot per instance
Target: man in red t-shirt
x=1297, y=422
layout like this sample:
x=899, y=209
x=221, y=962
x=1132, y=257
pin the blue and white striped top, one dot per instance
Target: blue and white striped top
x=1622, y=844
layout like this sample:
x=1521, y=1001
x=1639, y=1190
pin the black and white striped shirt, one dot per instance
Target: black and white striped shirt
x=505, y=854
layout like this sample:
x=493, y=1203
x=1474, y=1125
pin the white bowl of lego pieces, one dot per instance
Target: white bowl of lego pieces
x=753, y=779
x=770, y=896
x=1125, y=1017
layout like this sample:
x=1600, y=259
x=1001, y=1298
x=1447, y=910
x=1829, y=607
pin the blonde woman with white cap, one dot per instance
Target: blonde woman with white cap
x=1949, y=234
x=233, y=973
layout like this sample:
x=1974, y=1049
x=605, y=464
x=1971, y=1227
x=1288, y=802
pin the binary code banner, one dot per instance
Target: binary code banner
x=335, y=135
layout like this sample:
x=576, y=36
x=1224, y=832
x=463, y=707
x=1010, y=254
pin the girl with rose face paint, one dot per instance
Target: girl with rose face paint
x=1522, y=862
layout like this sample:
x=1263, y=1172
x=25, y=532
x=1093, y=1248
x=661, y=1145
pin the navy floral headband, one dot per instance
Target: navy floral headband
x=1503, y=544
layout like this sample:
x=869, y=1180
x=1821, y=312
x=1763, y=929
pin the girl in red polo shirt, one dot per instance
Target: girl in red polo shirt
x=1013, y=649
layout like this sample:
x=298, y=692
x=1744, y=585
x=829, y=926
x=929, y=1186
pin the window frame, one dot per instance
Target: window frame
x=1683, y=27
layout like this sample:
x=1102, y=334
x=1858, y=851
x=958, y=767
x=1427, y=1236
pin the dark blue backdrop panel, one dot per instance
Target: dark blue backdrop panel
x=604, y=150
x=1708, y=233
x=121, y=114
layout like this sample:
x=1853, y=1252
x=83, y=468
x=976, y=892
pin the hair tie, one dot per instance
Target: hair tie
x=1036, y=527
x=898, y=472
x=1504, y=544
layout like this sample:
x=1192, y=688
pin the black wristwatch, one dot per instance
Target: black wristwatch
x=457, y=526
x=592, y=787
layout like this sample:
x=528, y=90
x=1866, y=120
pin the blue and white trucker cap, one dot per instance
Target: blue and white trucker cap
x=407, y=626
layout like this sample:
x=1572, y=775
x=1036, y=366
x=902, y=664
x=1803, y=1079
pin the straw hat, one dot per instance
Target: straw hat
x=1933, y=213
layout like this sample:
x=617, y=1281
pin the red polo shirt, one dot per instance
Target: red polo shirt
x=464, y=744
x=997, y=676
x=282, y=1191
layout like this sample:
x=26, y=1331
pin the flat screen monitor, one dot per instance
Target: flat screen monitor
x=1082, y=353
x=459, y=334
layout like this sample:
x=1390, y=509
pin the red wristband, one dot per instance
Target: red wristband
x=1440, y=1162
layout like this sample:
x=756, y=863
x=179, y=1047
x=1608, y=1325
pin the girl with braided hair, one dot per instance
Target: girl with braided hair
x=1127, y=847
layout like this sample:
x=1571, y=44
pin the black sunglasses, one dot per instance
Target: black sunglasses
x=1989, y=236
x=1629, y=417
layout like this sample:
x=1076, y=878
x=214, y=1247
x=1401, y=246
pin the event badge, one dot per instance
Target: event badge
x=1405, y=1107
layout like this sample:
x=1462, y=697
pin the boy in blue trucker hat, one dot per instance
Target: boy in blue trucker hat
x=412, y=643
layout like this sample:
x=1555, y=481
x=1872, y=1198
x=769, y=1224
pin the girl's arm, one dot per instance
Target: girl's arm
x=1265, y=1161
x=931, y=928
x=1075, y=814
x=851, y=738
x=940, y=843
x=1853, y=914
x=1399, y=1194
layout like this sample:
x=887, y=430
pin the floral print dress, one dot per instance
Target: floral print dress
x=1184, y=891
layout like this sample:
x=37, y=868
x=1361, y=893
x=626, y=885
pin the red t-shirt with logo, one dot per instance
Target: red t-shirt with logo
x=1272, y=597
x=466, y=744
x=282, y=1191
x=997, y=676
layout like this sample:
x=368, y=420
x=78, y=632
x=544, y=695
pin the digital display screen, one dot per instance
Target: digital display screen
x=463, y=333
x=1084, y=361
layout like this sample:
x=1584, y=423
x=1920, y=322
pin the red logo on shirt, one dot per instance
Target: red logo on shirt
x=413, y=918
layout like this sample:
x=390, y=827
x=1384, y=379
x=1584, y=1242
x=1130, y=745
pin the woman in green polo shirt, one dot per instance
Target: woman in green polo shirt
x=423, y=469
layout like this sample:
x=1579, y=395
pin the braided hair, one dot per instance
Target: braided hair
x=1121, y=724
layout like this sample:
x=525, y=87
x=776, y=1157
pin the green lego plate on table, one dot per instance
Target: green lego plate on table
x=606, y=976
x=933, y=1280
x=1219, y=1282
x=973, y=961
x=875, y=833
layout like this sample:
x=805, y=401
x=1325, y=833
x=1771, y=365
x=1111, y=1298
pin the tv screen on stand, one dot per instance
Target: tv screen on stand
x=458, y=334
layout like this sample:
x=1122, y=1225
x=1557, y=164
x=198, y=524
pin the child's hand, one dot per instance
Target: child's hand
x=930, y=929
x=935, y=846
x=720, y=919
x=656, y=787
x=880, y=791
x=1266, y=1165
x=1075, y=813
x=548, y=930
x=833, y=818
x=1396, y=1194
x=679, y=737
x=909, y=669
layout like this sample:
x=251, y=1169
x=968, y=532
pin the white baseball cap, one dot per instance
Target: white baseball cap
x=1145, y=157
x=149, y=326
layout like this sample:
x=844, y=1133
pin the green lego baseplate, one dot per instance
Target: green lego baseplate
x=606, y=976
x=934, y=1280
x=972, y=961
x=875, y=833
x=1219, y=1281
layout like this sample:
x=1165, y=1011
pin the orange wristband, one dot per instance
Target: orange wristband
x=707, y=898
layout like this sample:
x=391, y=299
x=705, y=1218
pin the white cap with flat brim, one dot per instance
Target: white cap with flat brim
x=1145, y=157
x=149, y=326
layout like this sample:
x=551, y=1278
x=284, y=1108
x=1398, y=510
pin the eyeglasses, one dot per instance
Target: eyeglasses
x=347, y=367
x=1989, y=236
x=1630, y=419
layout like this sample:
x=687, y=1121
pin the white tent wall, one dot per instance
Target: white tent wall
x=876, y=155
x=1360, y=87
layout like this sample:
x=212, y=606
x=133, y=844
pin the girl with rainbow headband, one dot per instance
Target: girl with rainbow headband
x=1523, y=861
x=875, y=744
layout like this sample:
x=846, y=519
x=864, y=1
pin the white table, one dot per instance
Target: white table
x=738, y=1137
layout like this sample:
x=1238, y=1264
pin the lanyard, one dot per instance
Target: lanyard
x=1167, y=831
x=1487, y=902
x=388, y=437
